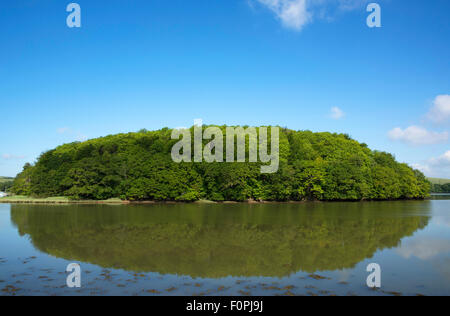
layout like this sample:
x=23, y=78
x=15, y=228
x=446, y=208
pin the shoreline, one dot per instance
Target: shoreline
x=66, y=201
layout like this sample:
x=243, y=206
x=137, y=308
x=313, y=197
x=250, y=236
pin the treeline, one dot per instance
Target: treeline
x=138, y=166
x=441, y=188
x=6, y=185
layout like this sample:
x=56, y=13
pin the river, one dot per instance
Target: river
x=227, y=249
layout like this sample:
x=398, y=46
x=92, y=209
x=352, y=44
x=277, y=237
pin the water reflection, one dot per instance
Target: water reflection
x=213, y=241
x=424, y=249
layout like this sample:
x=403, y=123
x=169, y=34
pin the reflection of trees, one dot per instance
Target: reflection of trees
x=220, y=240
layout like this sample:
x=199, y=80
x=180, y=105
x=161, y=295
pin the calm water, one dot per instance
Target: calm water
x=227, y=249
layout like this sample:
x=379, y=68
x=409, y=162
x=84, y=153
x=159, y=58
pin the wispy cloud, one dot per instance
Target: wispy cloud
x=63, y=130
x=415, y=135
x=336, y=113
x=12, y=157
x=80, y=137
x=295, y=14
x=77, y=136
x=440, y=112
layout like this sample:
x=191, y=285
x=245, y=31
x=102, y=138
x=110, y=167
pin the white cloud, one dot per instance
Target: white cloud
x=12, y=157
x=292, y=13
x=415, y=135
x=422, y=167
x=442, y=161
x=337, y=113
x=440, y=112
x=436, y=167
x=295, y=14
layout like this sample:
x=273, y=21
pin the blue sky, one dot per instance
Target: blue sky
x=304, y=64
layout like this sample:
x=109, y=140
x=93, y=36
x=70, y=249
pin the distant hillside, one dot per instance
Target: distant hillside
x=5, y=183
x=438, y=181
x=138, y=166
x=440, y=185
x=5, y=179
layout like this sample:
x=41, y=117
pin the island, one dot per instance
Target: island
x=138, y=167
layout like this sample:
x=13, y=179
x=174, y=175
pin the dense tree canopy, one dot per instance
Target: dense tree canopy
x=6, y=186
x=138, y=166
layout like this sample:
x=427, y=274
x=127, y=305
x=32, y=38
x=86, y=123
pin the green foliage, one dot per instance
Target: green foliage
x=6, y=186
x=138, y=166
x=438, y=188
x=22, y=183
x=215, y=241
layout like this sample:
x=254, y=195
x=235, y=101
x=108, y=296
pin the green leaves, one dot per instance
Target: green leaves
x=138, y=166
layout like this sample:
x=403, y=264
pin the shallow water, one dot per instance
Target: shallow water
x=227, y=249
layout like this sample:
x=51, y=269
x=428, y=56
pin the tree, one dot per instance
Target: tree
x=138, y=166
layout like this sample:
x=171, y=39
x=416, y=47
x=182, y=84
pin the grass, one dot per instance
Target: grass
x=53, y=200
x=439, y=181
